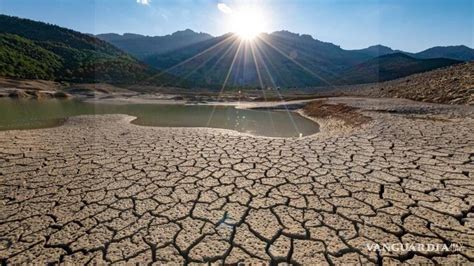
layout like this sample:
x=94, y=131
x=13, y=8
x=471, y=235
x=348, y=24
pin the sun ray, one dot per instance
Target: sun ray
x=225, y=82
x=234, y=45
x=166, y=71
x=262, y=86
x=279, y=95
x=210, y=58
x=330, y=62
x=257, y=67
x=296, y=62
x=263, y=53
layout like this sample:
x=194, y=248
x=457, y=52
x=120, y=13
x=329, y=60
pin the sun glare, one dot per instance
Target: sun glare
x=247, y=22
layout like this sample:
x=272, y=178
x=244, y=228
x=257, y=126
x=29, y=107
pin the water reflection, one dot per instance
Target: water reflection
x=25, y=114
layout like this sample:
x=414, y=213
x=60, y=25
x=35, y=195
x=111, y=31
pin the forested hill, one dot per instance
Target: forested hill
x=36, y=50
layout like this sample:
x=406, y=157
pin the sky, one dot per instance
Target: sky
x=409, y=25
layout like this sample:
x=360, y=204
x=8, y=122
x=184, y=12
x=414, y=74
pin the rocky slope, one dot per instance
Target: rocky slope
x=450, y=85
x=390, y=67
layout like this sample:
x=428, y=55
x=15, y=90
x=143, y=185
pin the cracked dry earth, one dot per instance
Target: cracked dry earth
x=102, y=190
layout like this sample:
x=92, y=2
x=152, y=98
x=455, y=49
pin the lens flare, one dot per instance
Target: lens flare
x=247, y=22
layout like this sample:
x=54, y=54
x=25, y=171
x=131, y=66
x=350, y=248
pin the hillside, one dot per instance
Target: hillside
x=460, y=52
x=36, y=50
x=391, y=66
x=22, y=58
x=285, y=59
x=375, y=50
x=282, y=58
x=449, y=85
x=452, y=85
x=142, y=46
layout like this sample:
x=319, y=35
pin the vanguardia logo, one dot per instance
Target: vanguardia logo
x=420, y=247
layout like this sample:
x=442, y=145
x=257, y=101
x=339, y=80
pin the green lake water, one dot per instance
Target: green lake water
x=28, y=114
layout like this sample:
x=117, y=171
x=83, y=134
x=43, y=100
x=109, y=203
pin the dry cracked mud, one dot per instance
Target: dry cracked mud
x=101, y=190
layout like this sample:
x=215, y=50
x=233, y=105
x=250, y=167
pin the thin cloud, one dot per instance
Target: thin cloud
x=144, y=2
x=224, y=8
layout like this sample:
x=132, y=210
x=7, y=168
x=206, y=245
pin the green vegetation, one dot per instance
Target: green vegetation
x=36, y=50
x=22, y=58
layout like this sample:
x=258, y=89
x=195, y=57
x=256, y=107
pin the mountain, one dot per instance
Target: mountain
x=305, y=47
x=281, y=59
x=460, y=52
x=141, y=46
x=375, y=50
x=391, y=66
x=36, y=50
x=285, y=59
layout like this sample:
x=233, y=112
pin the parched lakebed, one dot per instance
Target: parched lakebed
x=27, y=114
x=100, y=190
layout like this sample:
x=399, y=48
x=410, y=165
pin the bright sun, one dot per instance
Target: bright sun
x=247, y=22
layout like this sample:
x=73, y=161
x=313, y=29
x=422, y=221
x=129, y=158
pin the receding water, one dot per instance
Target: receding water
x=27, y=114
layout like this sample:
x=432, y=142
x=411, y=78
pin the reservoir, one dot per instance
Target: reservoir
x=31, y=114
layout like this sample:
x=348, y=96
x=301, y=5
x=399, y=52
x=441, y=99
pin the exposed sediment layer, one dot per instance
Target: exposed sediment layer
x=99, y=189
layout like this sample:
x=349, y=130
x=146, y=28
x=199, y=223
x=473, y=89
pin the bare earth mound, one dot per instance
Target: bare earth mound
x=348, y=114
x=28, y=84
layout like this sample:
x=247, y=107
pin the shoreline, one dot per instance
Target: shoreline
x=295, y=106
x=95, y=172
x=237, y=105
